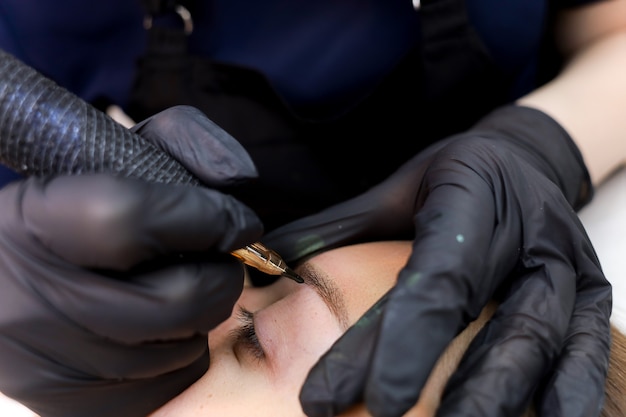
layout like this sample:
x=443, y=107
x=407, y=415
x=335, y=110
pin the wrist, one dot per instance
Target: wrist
x=546, y=144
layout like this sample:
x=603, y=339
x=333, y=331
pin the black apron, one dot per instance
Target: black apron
x=312, y=158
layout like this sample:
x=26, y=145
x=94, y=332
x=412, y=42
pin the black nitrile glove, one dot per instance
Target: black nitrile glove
x=109, y=286
x=492, y=214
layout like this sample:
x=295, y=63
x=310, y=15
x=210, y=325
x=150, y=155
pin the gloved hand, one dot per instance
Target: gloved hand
x=109, y=286
x=491, y=212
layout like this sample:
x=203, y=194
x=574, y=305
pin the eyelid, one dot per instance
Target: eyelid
x=246, y=338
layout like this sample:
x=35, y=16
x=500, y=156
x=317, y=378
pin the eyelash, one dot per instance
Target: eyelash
x=246, y=334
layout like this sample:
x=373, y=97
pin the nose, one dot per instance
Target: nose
x=252, y=299
x=222, y=333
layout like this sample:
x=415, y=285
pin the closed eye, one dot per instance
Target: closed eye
x=246, y=337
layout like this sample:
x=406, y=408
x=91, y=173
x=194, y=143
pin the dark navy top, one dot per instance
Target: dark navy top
x=311, y=51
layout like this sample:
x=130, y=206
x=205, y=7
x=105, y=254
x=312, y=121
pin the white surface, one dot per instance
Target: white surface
x=10, y=408
x=605, y=221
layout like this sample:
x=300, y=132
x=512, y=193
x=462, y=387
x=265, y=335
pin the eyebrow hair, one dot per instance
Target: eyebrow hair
x=327, y=290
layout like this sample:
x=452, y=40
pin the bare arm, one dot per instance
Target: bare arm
x=589, y=97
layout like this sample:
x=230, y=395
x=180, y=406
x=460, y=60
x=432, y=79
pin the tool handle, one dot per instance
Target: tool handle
x=46, y=130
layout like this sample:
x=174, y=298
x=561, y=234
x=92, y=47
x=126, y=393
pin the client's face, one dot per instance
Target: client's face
x=260, y=356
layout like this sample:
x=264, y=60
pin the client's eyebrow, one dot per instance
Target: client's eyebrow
x=327, y=290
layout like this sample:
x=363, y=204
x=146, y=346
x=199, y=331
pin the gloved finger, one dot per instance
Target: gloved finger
x=113, y=223
x=115, y=361
x=438, y=293
x=499, y=372
x=173, y=302
x=446, y=283
x=336, y=382
x=152, y=372
x=350, y=222
x=577, y=385
x=384, y=212
x=200, y=145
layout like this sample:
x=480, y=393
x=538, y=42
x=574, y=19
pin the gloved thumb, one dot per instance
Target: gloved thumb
x=200, y=145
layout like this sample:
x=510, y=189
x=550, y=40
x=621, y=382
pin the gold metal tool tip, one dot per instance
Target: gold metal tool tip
x=265, y=260
x=290, y=273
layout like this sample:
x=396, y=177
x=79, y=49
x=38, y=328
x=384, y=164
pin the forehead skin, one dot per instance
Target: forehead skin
x=364, y=272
